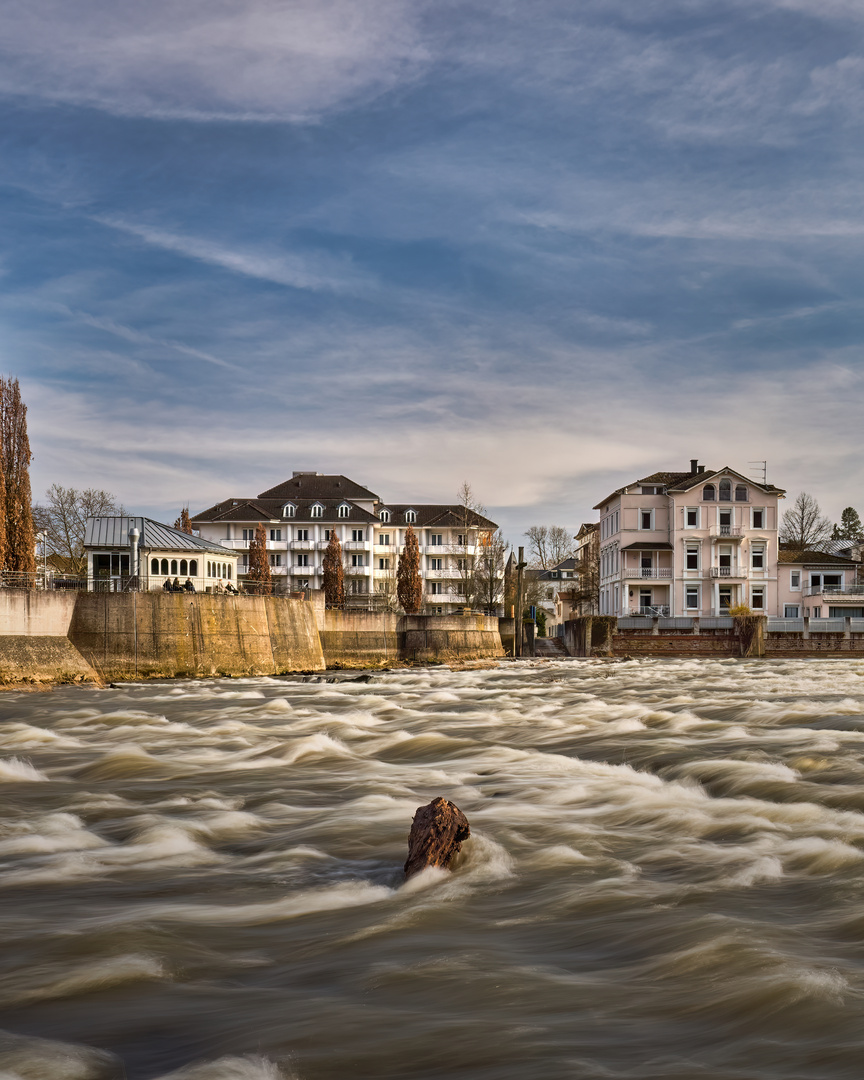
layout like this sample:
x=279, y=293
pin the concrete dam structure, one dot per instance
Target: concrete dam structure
x=56, y=637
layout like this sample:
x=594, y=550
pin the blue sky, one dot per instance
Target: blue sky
x=544, y=247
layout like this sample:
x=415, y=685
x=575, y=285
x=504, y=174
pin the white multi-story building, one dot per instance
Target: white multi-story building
x=300, y=514
x=690, y=543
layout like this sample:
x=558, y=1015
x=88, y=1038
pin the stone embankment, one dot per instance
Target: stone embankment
x=52, y=637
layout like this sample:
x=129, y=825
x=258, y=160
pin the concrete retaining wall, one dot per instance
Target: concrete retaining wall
x=371, y=639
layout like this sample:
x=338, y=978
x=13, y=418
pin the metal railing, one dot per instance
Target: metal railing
x=834, y=590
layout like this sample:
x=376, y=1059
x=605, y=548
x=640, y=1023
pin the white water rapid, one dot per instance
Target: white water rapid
x=665, y=878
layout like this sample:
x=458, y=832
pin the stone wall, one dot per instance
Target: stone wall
x=376, y=639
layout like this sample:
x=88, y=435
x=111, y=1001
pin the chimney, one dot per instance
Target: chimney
x=694, y=466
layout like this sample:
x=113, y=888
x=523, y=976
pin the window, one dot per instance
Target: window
x=193, y=567
x=317, y=510
x=815, y=581
x=228, y=571
x=344, y=510
x=645, y=601
x=209, y=569
x=184, y=568
x=384, y=539
x=302, y=560
x=817, y=611
x=154, y=566
x=692, y=556
x=725, y=594
x=708, y=493
x=275, y=559
x=275, y=534
x=757, y=556
x=289, y=510
x=790, y=611
x=759, y=519
x=410, y=516
x=302, y=534
x=357, y=534
x=436, y=587
x=460, y=539
x=652, y=490
x=725, y=490
x=384, y=515
x=832, y=581
x=691, y=598
x=436, y=564
x=740, y=493
x=174, y=567
x=724, y=517
x=646, y=519
x=248, y=534
x=691, y=517
x=461, y=565
x=436, y=539
x=795, y=579
x=757, y=599
x=328, y=533
x=383, y=564
x=357, y=560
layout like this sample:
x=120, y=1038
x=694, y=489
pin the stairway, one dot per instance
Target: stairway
x=551, y=648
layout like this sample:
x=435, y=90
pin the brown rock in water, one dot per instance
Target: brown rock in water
x=437, y=832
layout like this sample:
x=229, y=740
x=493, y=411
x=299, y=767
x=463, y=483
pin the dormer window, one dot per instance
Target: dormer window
x=708, y=493
x=289, y=510
x=725, y=491
x=384, y=515
x=410, y=516
x=317, y=510
x=344, y=510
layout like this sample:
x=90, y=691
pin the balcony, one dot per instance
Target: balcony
x=234, y=545
x=446, y=598
x=444, y=574
x=356, y=545
x=836, y=592
x=277, y=545
x=447, y=549
x=726, y=532
x=654, y=573
x=302, y=545
x=305, y=571
x=385, y=549
x=353, y=571
x=728, y=571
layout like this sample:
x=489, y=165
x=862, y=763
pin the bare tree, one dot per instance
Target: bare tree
x=470, y=511
x=549, y=545
x=20, y=546
x=62, y=518
x=184, y=522
x=409, y=586
x=803, y=527
x=259, y=576
x=489, y=571
x=334, y=573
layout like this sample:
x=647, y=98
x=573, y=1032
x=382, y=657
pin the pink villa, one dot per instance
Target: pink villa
x=690, y=544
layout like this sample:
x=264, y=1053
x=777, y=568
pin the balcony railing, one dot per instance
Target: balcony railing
x=448, y=574
x=306, y=571
x=729, y=571
x=302, y=545
x=726, y=532
x=654, y=610
x=447, y=549
x=834, y=590
x=654, y=572
x=356, y=545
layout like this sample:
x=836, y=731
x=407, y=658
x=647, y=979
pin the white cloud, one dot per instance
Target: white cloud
x=209, y=59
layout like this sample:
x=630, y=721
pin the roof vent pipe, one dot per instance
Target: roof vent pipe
x=694, y=466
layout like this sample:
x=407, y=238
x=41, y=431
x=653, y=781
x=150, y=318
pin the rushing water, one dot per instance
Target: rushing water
x=665, y=877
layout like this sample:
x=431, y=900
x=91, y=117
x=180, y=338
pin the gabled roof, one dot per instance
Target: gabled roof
x=113, y=532
x=309, y=485
x=554, y=572
x=685, y=481
x=430, y=516
x=814, y=558
x=254, y=510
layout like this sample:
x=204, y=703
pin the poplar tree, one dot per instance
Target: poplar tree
x=334, y=575
x=259, y=565
x=20, y=539
x=409, y=586
x=184, y=522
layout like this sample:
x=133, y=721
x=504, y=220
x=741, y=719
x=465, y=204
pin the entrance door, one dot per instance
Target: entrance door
x=644, y=601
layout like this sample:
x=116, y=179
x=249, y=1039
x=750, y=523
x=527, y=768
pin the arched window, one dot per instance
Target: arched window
x=725, y=491
x=193, y=567
x=708, y=493
x=224, y=570
x=229, y=571
x=165, y=567
x=154, y=566
x=317, y=510
x=410, y=516
x=288, y=510
x=344, y=510
x=384, y=515
x=209, y=570
x=740, y=493
x=184, y=568
x=173, y=566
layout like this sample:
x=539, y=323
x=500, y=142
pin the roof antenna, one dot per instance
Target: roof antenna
x=761, y=467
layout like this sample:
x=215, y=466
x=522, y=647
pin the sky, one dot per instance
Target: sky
x=547, y=247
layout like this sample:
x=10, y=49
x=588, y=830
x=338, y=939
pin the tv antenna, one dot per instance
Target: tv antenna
x=760, y=467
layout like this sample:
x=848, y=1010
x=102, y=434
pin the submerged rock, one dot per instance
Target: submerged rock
x=437, y=832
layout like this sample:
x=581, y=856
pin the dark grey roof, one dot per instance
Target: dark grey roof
x=684, y=481
x=113, y=532
x=430, y=515
x=252, y=510
x=648, y=545
x=309, y=485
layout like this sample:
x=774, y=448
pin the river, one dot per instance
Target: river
x=665, y=878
